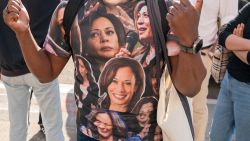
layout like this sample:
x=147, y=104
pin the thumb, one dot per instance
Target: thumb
x=198, y=5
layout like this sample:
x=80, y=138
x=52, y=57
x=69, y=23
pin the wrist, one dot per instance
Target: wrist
x=188, y=42
x=194, y=48
x=24, y=33
x=23, y=30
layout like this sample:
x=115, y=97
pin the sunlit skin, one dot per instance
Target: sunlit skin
x=144, y=115
x=144, y=26
x=59, y=21
x=121, y=89
x=104, y=127
x=103, y=40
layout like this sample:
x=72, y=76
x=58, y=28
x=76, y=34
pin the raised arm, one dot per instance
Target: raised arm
x=188, y=70
x=42, y=64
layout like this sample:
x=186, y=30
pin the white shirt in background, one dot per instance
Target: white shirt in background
x=225, y=10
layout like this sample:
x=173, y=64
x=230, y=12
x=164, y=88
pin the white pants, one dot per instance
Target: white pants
x=48, y=97
x=200, y=110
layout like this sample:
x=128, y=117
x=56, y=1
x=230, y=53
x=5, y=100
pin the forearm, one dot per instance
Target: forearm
x=236, y=43
x=36, y=59
x=188, y=72
x=244, y=56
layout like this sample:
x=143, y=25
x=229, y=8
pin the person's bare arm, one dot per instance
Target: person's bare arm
x=234, y=42
x=42, y=64
x=242, y=55
x=188, y=71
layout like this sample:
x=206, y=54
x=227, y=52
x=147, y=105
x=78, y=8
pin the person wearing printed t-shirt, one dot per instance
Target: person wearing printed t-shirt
x=232, y=108
x=120, y=86
x=18, y=80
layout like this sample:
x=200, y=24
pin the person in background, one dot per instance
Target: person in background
x=212, y=12
x=18, y=80
x=232, y=108
x=186, y=66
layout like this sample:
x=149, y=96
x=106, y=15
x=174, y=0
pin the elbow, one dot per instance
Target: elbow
x=45, y=79
x=199, y=80
x=193, y=87
x=191, y=92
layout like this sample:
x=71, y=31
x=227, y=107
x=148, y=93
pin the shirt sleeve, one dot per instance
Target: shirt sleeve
x=242, y=17
x=54, y=42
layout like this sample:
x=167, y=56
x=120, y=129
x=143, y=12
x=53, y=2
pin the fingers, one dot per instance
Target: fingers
x=239, y=30
x=84, y=130
x=13, y=6
x=173, y=10
x=121, y=11
x=92, y=9
x=95, y=8
x=11, y=16
x=169, y=17
x=178, y=6
x=198, y=5
x=123, y=53
x=90, y=133
x=12, y=10
x=234, y=32
x=185, y=2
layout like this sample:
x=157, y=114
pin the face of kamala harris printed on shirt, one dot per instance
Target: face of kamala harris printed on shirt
x=116, y=89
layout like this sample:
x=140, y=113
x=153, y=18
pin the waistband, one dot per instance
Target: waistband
x=14, y=73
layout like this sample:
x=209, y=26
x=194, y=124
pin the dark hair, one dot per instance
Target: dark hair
x=92, y=89
x=144, y=100
x=109, y=72
x=152, y=115
x=54, y=29
x=119, y=128
x=88, y=21
x=87, y=65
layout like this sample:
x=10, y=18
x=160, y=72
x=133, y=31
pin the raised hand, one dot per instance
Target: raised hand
x=86, y=131
x=183, y=19
x=92, y=9
x=198, y=5
x=123, y=53
x=238, y=31
x=128, y=23
x=144, y=131
x=16, y=16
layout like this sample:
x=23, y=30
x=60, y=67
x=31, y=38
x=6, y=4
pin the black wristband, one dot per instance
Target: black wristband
x=248, y=57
